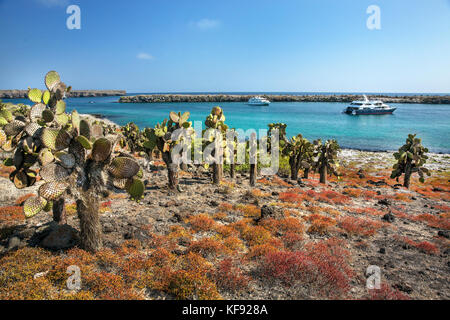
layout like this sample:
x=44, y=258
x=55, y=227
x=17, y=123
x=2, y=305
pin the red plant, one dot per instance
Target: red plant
x=359, y=226
x=229, y=277
x=323, y=266
x=386, y=293
x=11, y=213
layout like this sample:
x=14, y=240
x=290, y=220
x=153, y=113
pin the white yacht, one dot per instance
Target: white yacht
x=258, y=101
x=367, y=107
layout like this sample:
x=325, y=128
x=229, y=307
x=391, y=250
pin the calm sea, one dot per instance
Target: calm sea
x=313, y=120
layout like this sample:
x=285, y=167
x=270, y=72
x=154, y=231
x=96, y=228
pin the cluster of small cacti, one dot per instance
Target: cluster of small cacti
x=133, y=137
x=68, y=152
x=410, y=159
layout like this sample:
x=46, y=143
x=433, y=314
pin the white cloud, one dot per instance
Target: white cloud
x=54, y=3
x=144, y=56
x=205, y=24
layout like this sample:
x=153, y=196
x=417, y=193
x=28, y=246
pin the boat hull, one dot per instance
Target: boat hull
x=369, y=111
x=259, y=104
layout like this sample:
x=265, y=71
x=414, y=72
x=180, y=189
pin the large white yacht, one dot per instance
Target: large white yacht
x=367, y=107
x=258, y=101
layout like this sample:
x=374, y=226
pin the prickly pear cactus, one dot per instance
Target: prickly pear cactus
x=162, y=138
x=300, y=152
x=325, y=158
x=216, y=121
x=66, y=152
x=410, y=159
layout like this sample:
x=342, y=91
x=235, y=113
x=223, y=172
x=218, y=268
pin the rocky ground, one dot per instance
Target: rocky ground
x=403, y=232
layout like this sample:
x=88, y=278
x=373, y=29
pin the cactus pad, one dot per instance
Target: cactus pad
x=52, y=190
x=45, y=157
x=136, y=189
x=14, y=127
x=53, y=172
x=3, y=137
x=84, y=142
x=46, y=96
x=51, y=79
x=123, y=167
x=20, y=179
x=55, y=139
x=67, y=160
x=33, y=206
x=35, y=95
x=6, y=114
x=60, y=107
x=31, y=128
x=101, y=149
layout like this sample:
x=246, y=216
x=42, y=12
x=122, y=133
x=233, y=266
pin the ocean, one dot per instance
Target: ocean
x=312, y=119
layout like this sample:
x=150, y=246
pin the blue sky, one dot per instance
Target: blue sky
x=228, y=45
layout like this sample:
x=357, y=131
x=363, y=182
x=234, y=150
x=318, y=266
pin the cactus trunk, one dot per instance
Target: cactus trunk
x=323, y=174
x=232, y=171
x=408, y=172
x=253, y=174
x=294, y=167
x=90, y=227
x=306, y=174
x=172, y=170
x=59, y=211
x=217, y=173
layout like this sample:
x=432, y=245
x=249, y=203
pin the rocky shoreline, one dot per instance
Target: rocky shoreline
x=159, y=98
x=21, y=94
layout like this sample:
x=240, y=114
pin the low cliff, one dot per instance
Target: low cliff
x=158, y=98
x=19, y=94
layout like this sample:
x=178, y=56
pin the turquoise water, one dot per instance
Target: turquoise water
x=312, y=119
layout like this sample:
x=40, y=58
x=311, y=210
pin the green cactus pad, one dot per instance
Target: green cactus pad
x=136, y=189
x=14, y=128
x=85, y=129
x=60, y=107
x=52, y=190
x=49, y=206
x=75, y=120
x=7, y=115
x=47, y=115
x=33, y=206
x=55, y=139
x=101, y=149
x=53, y=172
x=46, y=96
x=62, y=119
x=123, y=167
x=3, y=121
x=51, y=79
x=84, y=142
x=35, y=95
x=45, y=157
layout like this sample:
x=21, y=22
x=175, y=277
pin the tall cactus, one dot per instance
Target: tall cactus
x=410, y=159
x=161, y=137
x=72, y=155
x=300, y=152
x=325, y=158
x=216, y=120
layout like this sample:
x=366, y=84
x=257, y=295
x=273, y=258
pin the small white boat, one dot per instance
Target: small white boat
x=258, y=101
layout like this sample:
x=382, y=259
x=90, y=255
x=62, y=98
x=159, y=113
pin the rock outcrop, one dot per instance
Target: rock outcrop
x=158, y=98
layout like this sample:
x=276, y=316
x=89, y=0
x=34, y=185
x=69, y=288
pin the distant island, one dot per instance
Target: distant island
x=19, y=94
x=158, y=98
